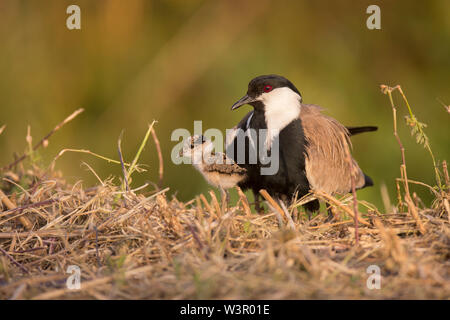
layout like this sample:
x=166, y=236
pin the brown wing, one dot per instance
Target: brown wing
x=224, y=167
x=326, y=166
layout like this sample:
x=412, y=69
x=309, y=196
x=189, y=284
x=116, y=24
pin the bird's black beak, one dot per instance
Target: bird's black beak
x=244, y=100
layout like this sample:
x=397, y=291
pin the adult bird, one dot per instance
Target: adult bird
x=312, y=147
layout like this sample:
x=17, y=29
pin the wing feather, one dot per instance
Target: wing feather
x=326, y=166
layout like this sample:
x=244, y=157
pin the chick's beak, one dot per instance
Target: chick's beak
x=244, y=100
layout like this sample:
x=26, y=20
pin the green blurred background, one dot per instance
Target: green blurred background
x=177, y=61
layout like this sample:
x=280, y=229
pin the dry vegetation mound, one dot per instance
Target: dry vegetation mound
x=140, y=244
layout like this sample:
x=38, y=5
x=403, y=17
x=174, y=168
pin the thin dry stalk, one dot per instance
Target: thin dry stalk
x=11, y=206
x=352, y=168
x=215, y=203
x=415, y=214
x=244, y=202
x=332, y=200
x=14, y=261
x=160, y=158
x=447, y=180
x=206, y=203
x=276, y=207
x=291, y=223
x=124, y=170
x=90, y=284
x=388, y=90
x=44, y=141
x=52, y=165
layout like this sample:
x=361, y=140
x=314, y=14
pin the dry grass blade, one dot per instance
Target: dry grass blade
x=335, y=202
x=244, y=202
x=14, y=261
x=160, y=158
x=124, y=170
x=11, y=206
x=93, y=283
x=414, y=214
x=52, y=165
x=353, y=172
x=44, y=141
x=274, y=205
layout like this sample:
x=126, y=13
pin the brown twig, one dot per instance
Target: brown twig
x=31, y=205
x=244, y=202
x=352, y=179
x=45, y=139
x=444, y=168
x=215, y=203
x=14, y=261
x=195, y=236
x=273, y=204
x=41, y=233
x=413, y=211
x=96, y=247
x=30, y=250
x=11, y=206
x=291, y=223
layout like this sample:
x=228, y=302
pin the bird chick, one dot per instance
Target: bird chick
x=219, y=170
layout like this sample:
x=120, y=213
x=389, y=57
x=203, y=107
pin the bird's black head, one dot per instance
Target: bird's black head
x=265, y=88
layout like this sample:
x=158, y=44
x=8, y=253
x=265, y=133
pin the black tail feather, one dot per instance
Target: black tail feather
x=368, y=182
x=357, y=130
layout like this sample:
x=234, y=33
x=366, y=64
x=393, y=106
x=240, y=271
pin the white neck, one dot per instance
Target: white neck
x=282, y=106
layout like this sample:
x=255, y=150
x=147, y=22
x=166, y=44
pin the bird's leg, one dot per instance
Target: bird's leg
x=258, y=207
x=227, y=198
x=330, y=216
x=311, y=207
x=296, y=215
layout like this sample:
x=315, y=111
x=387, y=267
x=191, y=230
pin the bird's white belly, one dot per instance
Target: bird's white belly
x=220, y=180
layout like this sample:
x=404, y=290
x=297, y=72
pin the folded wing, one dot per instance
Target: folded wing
x=326, y=166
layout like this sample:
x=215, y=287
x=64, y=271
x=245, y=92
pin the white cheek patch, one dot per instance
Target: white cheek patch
x=282, y=106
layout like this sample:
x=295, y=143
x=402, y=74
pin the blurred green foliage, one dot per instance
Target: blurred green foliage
x=178, y=61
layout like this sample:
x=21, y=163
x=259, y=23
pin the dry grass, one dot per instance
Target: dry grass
x=140, y=244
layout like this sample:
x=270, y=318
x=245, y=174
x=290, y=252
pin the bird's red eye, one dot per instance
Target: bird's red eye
x=268, y=88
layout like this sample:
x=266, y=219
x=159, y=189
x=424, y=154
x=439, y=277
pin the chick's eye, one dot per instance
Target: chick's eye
x=268, y=88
